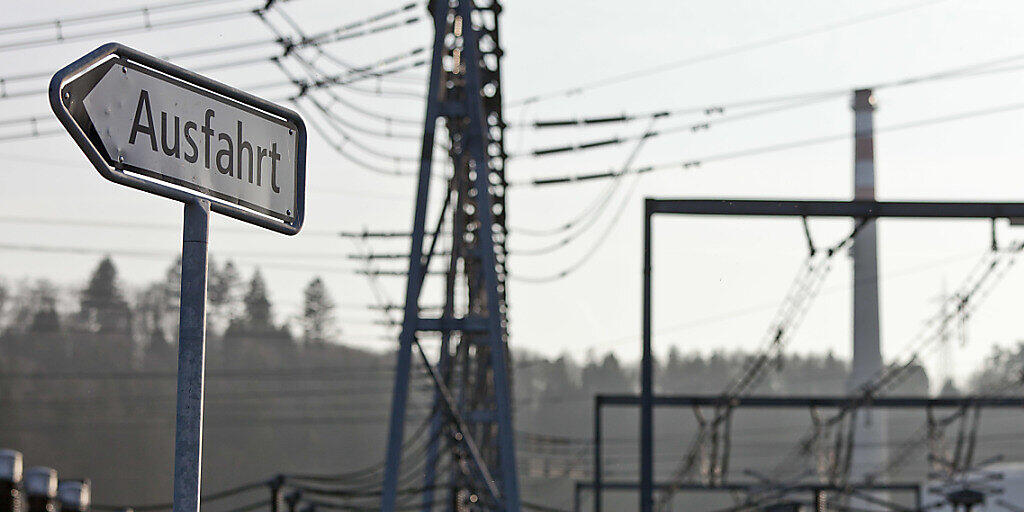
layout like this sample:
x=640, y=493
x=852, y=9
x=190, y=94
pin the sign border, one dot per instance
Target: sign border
x=117, y=174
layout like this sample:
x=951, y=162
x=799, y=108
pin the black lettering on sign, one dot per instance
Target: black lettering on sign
x=138, y=128
x=228, y=168
x=176, y=150
x=243, y=144
x=230, y=159
x=207, y=133
x=191, y=125
x=274, y=158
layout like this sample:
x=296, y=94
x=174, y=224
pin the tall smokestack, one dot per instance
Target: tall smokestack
x=869, y=450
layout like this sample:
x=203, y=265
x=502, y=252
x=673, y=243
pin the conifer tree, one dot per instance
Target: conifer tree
x=318, y=323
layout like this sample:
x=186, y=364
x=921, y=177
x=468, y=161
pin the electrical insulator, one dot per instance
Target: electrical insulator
x=74, y=495
x=41, y=489
x=10, y=481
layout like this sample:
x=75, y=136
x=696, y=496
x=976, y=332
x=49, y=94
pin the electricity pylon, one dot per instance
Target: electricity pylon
x=471, y=422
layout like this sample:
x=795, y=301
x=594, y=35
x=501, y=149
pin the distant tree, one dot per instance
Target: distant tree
x=560, y=398
x=154, y=315
x=608, y=376
x=913, y=382
x=45, y=319
x=257, y=313
x=5, y=295
x=37, y=332
x=318, y=323
x=223, y=293
x=172, y=284
x=252, y=339
x=1002, y=372
x=949, y=389
x=103, y=308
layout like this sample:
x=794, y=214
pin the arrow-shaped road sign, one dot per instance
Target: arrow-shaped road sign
x=148, y=124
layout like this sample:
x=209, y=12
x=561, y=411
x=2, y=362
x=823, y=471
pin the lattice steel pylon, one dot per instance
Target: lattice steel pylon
x=471, y=424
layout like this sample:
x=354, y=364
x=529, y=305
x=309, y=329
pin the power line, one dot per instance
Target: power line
x=144, y=12
x=106, y=32
x=323, y=36
x=762, y=306
x=339, y=147
x=329, y=373
x=206, y=498
x=287, y=44
x=709, y=109
x=972, y=292
x=158, y=255
x=983, y=68
x=696, y=162
x=594, y=215
x=726, y=52
x=687, y=128
x=228, y=64
x=788, y=317
x=138, y=252
x=352, y=73
x=352, y=34
x=349, y=139
x=35, y=132
x=122, y=224
x=315, y=72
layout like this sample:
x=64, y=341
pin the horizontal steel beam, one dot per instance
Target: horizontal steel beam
x=466, y=324
x=794, y=402
x=621, y=485
x=856, y=209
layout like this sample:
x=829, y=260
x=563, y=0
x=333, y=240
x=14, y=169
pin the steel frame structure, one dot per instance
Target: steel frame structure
x=598, y=485
x=747, y=207
x=816, y=490
x=471, y=420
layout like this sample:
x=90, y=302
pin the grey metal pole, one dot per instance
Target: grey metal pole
x=188, y=434
x=292, y=500
x=275, y=493
x=499, y=355
x=597, y=454
x=411, y=312
x=647, y=379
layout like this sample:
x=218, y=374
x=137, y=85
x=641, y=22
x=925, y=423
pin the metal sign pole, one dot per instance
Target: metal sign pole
x=188, y=435
x=93, y=98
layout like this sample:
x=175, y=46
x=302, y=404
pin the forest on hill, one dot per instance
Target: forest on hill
x=89, y=389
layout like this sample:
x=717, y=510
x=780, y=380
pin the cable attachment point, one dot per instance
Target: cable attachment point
x=811, y=250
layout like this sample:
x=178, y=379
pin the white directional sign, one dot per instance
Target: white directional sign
x=147, y=124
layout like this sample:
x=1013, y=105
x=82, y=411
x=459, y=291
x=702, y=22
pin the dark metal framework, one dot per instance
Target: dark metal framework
x=598, y=485
x=742, y=207
x=471, y=423
x=816, y=490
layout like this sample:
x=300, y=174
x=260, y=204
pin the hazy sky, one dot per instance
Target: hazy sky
x=718, y=280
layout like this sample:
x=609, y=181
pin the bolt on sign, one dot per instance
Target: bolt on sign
x=150, y=125
x=147, y=124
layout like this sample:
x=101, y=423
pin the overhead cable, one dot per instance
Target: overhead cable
x=726, y=52
x=781, y=146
